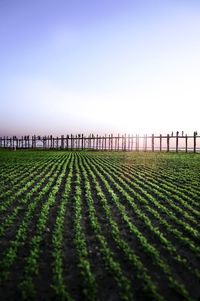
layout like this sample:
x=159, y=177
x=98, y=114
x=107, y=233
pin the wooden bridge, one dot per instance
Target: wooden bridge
x=170, y=142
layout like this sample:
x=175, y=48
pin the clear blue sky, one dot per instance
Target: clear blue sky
x=99, y=66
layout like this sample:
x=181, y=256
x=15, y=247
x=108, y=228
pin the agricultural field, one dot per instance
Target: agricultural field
x=99, y=226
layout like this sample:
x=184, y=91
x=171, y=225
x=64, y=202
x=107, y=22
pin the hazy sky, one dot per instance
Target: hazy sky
x=101, y=66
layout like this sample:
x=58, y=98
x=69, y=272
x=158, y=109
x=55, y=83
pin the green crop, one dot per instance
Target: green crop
x=99, y=226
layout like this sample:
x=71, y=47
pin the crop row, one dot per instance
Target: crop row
x=116, y=216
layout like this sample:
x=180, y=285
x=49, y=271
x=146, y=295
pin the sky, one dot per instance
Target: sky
x=109, y=66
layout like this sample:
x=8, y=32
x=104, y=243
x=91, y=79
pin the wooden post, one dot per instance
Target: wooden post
x=125, y=142
x=118, y=142
x=46, y=140
x=111, y=142
x=97, y=142
x=186, y=143
x=67, y=142
x=62, y=142
x=167, y=142
x=160, y=142
x=50, y=142
x=76, y=142
x=82, y=145
x=94, y=139
x=71, y=142
x=131, y=142
x=177, y=141
x=195, y=141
